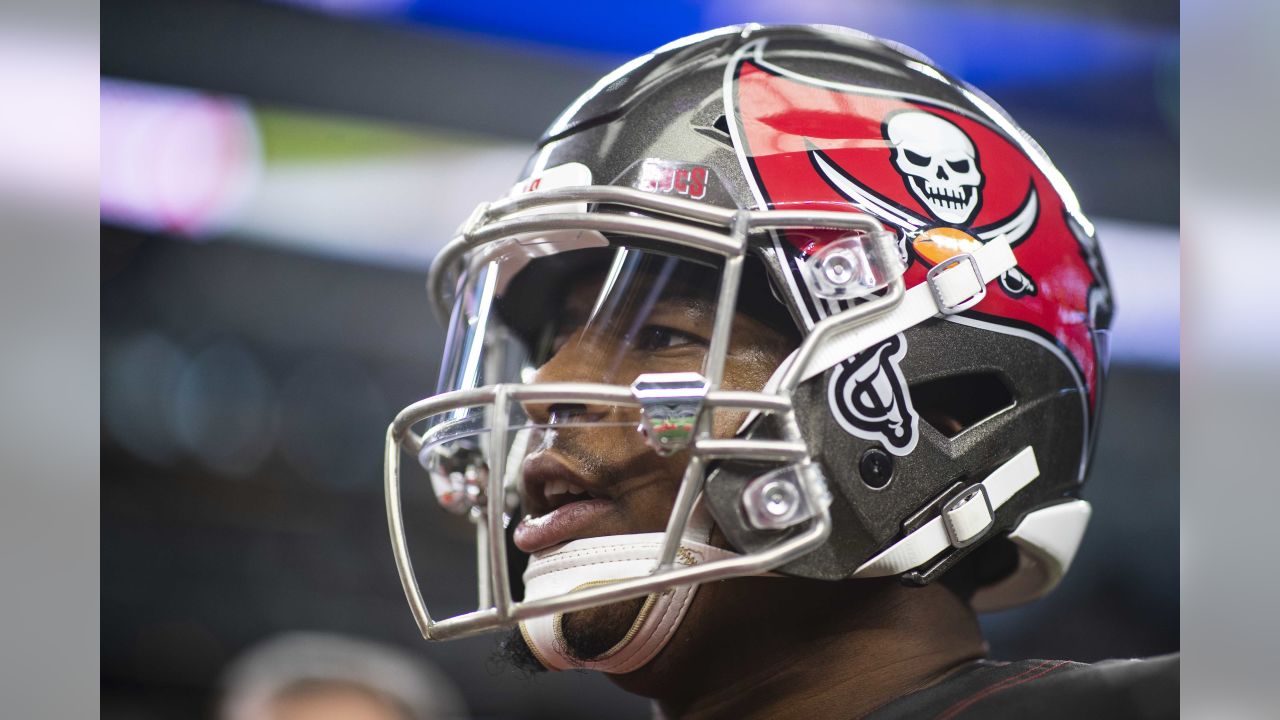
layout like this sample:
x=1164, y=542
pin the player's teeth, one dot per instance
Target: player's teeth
x=554, y=487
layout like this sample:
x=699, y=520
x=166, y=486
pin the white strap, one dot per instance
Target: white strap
x=593, y=561
x=968, y=518
x=960, y=523
x=944, y=292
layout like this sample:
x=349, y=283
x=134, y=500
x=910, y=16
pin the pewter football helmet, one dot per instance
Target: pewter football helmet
x=946, y=296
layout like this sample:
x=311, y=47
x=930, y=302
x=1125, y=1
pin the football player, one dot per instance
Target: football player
x=783, y=360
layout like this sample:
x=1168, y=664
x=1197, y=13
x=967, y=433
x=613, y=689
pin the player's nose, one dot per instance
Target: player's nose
x=577, y=361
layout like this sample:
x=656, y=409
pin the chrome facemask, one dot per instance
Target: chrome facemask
x=473, y=431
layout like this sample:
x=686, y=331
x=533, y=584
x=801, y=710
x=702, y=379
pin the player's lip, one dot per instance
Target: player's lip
x=573, y=521
x=560, y=504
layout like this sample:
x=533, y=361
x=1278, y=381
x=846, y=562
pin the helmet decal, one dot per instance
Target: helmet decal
x=937, y=162
x=944, y=178
x=869, y=397
x=673, y=178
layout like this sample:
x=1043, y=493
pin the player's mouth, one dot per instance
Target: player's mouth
x=560, y=505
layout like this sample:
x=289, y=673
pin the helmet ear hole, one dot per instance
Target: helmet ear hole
x=955, y=403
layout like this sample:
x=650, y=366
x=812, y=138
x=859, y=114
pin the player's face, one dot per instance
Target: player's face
x=590, y=472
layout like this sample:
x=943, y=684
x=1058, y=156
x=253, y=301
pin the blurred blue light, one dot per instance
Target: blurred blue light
x=225, y=411
x=333, y=418
x=986, y=46
x=366, y=8
x=622, y=28
x=139, y=378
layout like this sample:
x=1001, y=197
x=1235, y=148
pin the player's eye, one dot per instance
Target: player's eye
x=653, y=338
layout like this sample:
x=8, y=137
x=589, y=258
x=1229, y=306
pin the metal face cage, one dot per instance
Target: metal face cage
x=865, y=262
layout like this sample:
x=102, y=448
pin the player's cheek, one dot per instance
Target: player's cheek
x=726, y=423
x=651, y=507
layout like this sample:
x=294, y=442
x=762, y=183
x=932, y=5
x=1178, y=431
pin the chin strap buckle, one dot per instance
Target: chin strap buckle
x=965, y=519
x=956, y=291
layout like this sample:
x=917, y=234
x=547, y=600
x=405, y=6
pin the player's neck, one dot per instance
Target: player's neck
x=801, y=654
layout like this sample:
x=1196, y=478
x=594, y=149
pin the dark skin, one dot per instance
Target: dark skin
x=806, y=649
x=749, y=647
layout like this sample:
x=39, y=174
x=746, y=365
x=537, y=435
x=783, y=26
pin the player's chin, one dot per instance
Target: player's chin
x=589, y=634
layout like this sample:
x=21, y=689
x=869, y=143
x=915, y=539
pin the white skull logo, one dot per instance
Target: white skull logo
x=938, y=163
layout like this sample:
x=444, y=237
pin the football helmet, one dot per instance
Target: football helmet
x=940, y=296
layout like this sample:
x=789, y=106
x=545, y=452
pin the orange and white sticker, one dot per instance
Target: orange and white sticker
x=939, y=244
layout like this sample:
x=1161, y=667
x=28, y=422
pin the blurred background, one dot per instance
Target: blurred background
x=275, y=178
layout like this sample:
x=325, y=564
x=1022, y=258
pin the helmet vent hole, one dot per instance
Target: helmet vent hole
x=717, y=130
x=956, y=403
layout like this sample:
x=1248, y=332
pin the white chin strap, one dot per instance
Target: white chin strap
x=961, y=522
x=601, y=560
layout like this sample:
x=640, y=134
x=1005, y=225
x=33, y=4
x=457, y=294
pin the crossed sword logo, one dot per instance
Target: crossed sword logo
x=1016, y=282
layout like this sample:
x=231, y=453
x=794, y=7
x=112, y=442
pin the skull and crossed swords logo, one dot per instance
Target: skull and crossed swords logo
x=939, y=164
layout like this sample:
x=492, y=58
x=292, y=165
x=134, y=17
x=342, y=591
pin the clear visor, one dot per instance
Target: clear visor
x=600, y=315
x=597, y=315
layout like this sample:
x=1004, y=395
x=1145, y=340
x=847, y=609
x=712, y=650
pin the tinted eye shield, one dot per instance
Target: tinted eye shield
x=856, y=266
